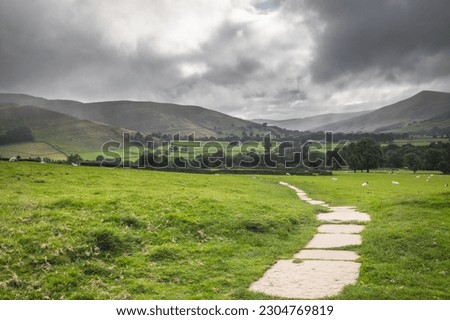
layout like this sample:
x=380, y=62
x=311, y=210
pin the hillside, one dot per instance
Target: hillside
x=423, y=106
x=63, y=133
x=146, y=117
x=311, y=123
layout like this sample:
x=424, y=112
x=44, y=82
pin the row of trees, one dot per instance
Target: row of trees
x=277, y=134
x=367, y=154
x=435, y=156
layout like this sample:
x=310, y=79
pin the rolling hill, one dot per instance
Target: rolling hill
x=310, y=123
x=61, y=133
x=422, y=107
x=146, y=117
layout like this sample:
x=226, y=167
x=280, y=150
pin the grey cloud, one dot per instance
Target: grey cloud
x=61, y=49
x=292, y=95
x=235, y=72
x=387, y=36
x=62, y=53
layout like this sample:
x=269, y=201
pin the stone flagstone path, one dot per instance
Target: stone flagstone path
x=323, y=270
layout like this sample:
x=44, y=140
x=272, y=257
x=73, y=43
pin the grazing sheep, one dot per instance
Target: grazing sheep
x=333, y=179
x=14, y=159
x=365, y=184
x=417, y=177
x=75, y=164
x=288, y=174
x=395, y=182
x=428, y=180
x=446, y=185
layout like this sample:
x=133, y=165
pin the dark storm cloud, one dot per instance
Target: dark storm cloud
x=37, y=45
x=393, y=39
x=234, y=72
x=280, y=58
x=63, y=52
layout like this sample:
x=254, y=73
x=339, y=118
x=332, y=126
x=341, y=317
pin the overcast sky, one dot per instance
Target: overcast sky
x=250, y=58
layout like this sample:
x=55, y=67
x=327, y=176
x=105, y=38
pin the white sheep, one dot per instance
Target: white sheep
x=395, y=182
x=333, y=179
x=13, y=159
x=365, y=184
x=75, y=164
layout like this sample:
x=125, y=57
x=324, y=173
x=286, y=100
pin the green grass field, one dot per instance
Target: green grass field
x=31, y=150
x=406, y=247
x=81, y=233
x=96, y=233
x=419, y=141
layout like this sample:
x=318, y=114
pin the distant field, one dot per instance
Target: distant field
x=31, y=149
x=97, y=233
x=419, y=141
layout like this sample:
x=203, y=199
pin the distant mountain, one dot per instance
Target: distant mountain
x=311, y=123
x=146, y=117
x=62, y=133
x=421, y=107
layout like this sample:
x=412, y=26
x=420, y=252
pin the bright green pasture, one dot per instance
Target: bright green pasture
x=405, y=252
x=96, y=233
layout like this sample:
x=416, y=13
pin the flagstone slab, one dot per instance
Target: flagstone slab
x=343, y=216
x=343, y=208
x=340, y=228
x=326, y=240
x=310, y=279
x=326, y=255
x=315, y=202
x=304, y=197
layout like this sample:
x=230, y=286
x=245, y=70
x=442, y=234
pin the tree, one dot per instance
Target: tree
x=352, y=157
x=74, y=158
x=393, y=159
x=432, y=159
x=363, y=155
x=370, y=153
x=413, y=161
x=444, y=165
x=139, y=137
x=267, y=144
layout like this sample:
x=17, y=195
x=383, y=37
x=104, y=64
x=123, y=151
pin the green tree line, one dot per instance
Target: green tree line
x=367, y=154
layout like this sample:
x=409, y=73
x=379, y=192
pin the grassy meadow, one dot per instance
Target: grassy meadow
x=405, y=252
x=96, y=233
x=31, y=150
